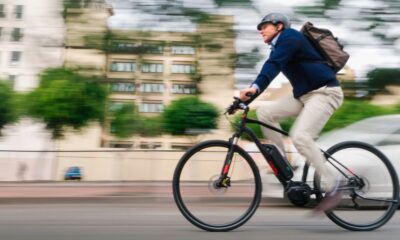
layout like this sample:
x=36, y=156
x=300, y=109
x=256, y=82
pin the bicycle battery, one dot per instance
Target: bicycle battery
x=280, y=166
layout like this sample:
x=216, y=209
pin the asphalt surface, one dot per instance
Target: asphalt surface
x=95, y=192
x=146, y=210
x=114, y=221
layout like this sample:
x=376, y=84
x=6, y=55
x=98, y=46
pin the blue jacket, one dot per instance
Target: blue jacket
x=297, y=59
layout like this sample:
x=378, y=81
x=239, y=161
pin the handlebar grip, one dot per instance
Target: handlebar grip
x=249, y=94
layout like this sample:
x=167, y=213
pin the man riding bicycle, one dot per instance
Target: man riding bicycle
x=316, y=95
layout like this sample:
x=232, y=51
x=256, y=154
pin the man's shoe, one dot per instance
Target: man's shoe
x=331, y=200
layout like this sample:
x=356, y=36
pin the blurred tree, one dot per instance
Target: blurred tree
x=126, y=122
x=355, y=110
x=378, y=78
x=7, y=106
x=255, y=127
x=351, y=111
x=285, y=125
x=66, y=98
x=189, y=114
x=221, y=3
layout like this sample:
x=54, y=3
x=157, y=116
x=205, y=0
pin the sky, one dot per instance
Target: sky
x=350, y=21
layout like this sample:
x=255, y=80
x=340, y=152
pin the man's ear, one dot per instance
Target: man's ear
x=279, y=26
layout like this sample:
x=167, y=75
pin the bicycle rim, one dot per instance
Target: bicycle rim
x=372, y=203
x=210, y=207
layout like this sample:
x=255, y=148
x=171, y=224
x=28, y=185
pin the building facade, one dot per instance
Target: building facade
x=31, y=39
x=151, y=69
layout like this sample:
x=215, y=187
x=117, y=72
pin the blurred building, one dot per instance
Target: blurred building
x=151, y=68
x=85, y=33
x=31, y=39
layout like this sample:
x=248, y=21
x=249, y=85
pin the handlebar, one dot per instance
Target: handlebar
x=237, y=104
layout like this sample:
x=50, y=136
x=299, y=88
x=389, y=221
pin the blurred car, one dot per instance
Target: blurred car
x=73, y=173
x=383, y=132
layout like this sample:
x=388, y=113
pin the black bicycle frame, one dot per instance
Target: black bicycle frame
x=243, y=129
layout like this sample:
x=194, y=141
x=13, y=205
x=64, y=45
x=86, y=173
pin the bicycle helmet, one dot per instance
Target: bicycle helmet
x=275, y=18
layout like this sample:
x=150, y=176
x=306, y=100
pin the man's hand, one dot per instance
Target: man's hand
x=243, y=93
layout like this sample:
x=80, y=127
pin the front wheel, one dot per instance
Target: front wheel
x=206, y=200
x=369, y=185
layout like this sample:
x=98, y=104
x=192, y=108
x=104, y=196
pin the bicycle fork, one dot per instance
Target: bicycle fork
x=224, y=180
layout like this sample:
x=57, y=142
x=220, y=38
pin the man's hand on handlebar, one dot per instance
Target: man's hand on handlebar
x=247, y=93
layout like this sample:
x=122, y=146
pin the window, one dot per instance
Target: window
x=182, y=68
x=2, y=11
x=183, y=88
x=151, y=107
x=123, y=66
x=153, y=48
x=152, y=68
x=150, y=145
x=115, y=106
x=12, y=79
x=122, y=87
x=124, y=47
x=182, y=147
x=152, y=87
x=15, y=58
x=16, y=34
x=120, y=144
x=182, y=50
x=18, y=11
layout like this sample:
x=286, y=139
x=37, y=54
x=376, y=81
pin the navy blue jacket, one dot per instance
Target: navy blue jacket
x=297, y=59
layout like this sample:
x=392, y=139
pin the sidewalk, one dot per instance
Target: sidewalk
x=78, y=192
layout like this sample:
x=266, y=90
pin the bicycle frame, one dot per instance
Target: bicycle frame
x=243, y=129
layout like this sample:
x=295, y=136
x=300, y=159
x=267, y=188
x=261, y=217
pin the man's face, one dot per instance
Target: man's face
x=268, y=32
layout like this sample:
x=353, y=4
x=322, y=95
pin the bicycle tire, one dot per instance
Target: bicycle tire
x=369, y=208
x=189, y=214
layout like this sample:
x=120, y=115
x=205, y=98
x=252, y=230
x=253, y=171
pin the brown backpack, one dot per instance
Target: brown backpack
x=327, y=45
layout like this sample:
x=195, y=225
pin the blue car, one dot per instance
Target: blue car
x=73, y=173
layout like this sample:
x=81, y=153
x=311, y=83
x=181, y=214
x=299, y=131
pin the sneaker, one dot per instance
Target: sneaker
x=331, y=200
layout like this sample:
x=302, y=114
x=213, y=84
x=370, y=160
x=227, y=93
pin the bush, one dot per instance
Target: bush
x=66, y=98
x=351, y=111
x=189, y=113
x=380, y=77
x=7, y=106
x=126, y=122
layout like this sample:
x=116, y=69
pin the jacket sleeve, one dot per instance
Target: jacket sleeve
x=284, y=50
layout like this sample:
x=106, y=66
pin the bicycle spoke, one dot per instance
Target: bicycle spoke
x=370, y=187
x=210, y=195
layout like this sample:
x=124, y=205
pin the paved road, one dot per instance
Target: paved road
x=116, y=220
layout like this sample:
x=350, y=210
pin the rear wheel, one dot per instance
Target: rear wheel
x=206, y=200
x=369, y=186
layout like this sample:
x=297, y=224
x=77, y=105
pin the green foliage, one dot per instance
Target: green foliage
x=65, y=98
x=254, y=127
x=355, y=110
x=7, y=106
x=151, y=126
x=221, y=3
x=126, y=122
x=351, y=111
x=188, y=113
x=380, y=77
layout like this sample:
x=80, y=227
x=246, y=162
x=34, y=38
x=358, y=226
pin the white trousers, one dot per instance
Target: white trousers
x=313, y=110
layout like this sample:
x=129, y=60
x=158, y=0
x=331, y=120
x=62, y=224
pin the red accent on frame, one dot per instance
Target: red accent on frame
x=273, y=167
x=226, y=168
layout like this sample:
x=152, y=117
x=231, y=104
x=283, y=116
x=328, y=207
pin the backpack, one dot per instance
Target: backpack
x=327, y=45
